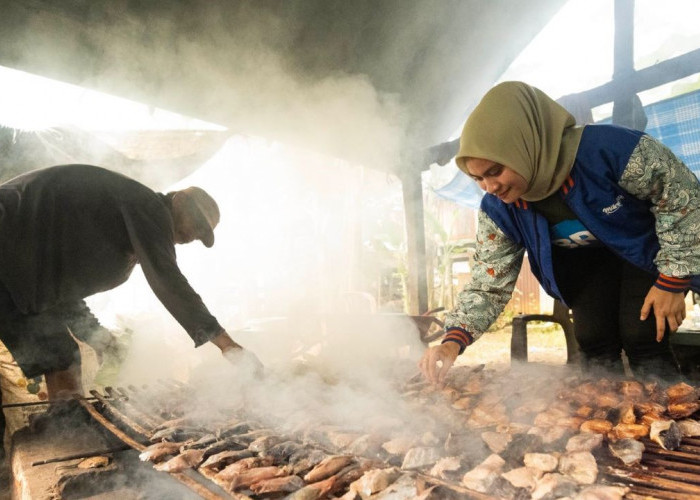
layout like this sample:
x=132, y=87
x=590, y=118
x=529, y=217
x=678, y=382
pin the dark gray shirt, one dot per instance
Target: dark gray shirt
x=70, y=231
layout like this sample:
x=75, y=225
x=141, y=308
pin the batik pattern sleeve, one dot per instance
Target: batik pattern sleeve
x=655, y=174
x=495, y=269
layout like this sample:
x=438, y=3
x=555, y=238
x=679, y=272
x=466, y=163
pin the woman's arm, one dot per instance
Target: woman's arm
x=495, y=269
x=655, y=174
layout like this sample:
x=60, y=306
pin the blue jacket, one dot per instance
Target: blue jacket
x=621, y=221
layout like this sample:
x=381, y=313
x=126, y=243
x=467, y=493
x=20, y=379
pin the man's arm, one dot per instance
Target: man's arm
x=224, y=342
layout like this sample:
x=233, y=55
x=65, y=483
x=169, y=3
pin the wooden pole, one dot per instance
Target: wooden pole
x=412, y=186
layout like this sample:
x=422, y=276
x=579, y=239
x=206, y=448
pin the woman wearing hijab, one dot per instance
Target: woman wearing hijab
x=610, y=220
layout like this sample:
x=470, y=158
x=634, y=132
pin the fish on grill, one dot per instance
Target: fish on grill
x=631, y=389
x=683, y=409
x=281, y=452
x=504, y=440
x=586, y=441
x=315, y=490
x=374, y=481
x=222, y=459
x=366, y=445
x=689, y=427
x=185, y=460
x=555, y=485
x=178, y=434
x=327, y=467
x=543, y=462
x=264, y=443
x=628, y=450
x=644, y=407
x=251, y=476
x=522, y=477
x=622, y=431
x=483, y=476
x=666, y=433
x=420, y=457
x=681, y=393
x=447, y=468
x=286, y=484
x=496, y=441
x=579, y=465
x=305, y=459
x=158, y=451
x=597, y=425
x=399, y=445
x=236, y=468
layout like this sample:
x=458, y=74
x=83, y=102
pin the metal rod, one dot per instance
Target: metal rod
x=84, y=454
x=651, y=480
x=641, y=493
x=119, y=414
x=133, y=411
x=38, y=403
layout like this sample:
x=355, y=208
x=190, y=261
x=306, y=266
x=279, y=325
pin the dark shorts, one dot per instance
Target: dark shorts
x=606, y=295
x=40, y=343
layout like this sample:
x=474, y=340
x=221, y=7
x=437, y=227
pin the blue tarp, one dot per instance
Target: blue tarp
x=674, y=121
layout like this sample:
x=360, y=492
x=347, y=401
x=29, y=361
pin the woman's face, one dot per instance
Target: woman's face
x=497, y=179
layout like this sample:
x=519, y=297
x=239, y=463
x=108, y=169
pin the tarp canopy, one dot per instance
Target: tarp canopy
x=370, y=81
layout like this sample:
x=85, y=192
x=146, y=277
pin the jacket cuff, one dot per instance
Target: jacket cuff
x=671, y=284
x=460, y=336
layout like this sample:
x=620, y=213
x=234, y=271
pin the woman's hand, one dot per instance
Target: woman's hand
x=437, y=361
x=668, y=307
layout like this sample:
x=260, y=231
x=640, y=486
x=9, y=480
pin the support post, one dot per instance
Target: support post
x=412, y=186
x=627, y=110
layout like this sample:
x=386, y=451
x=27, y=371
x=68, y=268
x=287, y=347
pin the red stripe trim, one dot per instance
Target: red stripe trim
x=672, y=283
x=675, y=287
x=673, y=278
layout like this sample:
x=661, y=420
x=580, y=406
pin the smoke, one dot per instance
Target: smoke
x=295, y=203
x=235, y=68
x=285, y=279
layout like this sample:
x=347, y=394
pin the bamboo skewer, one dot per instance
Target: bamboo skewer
x=85, y=454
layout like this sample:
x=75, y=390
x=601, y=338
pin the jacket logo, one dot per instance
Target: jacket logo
x=615, y=206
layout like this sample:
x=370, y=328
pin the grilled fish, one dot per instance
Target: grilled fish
x=236, y=468
x=327, y=467
x=158, y=451
x=251, y=476
x=285, y=484
x=666, y=433
x=185, y=460
x=579, y=465
x=225, y=458
x=628, y=450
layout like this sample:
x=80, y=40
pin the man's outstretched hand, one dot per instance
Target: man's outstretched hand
x=238, y=356
x=244, y=360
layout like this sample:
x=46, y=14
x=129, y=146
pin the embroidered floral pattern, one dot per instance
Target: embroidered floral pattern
x=495, y=269
x=655, y=174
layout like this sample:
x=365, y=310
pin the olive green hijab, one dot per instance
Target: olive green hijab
x=522, y=128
